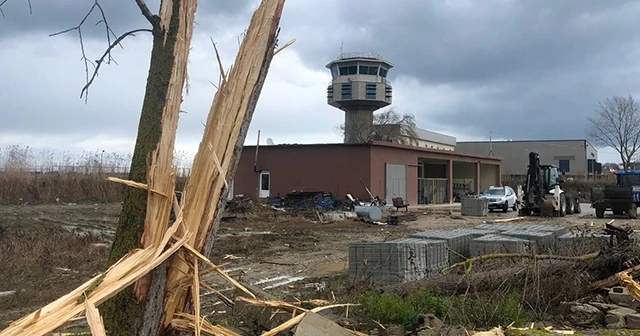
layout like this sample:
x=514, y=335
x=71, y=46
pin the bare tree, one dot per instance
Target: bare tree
x=125, y=314
x=617, y=125
x=113, y=40
x=389, y=126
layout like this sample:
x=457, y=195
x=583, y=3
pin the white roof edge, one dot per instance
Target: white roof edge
x=435, y=137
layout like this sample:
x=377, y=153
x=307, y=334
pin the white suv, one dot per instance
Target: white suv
x=501, y=198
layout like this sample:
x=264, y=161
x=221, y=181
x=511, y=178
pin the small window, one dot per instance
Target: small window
x=264, y=182
x=346, y=91
x=364, y=70
x=383, y=72
x=344, y=71
x=371, y=91
x=564, y=166
x=334, y=72
x=353, y=70
x=373, y=70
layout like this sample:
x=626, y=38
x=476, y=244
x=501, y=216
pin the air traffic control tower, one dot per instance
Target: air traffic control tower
x=359, y=87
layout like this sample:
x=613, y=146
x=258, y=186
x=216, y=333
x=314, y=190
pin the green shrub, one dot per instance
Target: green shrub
x=395, y=309
x=470, y=312
x=427, y=301
x=389, y=308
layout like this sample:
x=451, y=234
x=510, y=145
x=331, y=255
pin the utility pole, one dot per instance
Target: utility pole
x=100, y=168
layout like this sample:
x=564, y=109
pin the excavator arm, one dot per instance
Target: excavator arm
x=534, y=186
x=535, y=195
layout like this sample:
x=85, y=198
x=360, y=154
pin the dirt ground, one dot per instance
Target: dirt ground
x=283, y=254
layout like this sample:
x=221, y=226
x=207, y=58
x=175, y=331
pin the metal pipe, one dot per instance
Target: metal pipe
x=255, y=162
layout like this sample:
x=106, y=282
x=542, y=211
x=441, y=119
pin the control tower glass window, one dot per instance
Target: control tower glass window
x=383, y=72
x=344, y=71
x=373, y=70
x=364, y=70
x=334, y=72
x=353, y=70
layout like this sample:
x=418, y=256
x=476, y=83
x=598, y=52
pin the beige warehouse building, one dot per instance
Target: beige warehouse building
x=573, y=157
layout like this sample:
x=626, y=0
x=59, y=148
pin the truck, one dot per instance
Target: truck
x=622, y=198
x=542, y=192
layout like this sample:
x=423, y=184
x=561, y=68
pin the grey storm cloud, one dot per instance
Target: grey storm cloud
x=521, y=69
x=50, y=16
x=34, y=115
x=546, y=63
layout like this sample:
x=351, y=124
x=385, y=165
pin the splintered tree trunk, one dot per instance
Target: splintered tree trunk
x=124, y=314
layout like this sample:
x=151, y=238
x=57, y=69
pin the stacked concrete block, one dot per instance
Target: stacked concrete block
x=497, y=227
x=545, y=240
x=425, y=254
x=555, y=229
x=496, y=243
x=475, y=233
x=434, y=256
x=369, y=260
x=473, y=206
x=573, y=244
x=397, y=261
x=457, y=242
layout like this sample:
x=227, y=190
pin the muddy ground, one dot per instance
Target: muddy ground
x=47, y=250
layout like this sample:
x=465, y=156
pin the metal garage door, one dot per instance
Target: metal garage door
x=396, y=182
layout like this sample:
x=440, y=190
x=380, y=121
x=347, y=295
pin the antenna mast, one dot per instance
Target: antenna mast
x=490, y=143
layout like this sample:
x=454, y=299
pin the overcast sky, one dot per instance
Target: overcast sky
x=521, y=69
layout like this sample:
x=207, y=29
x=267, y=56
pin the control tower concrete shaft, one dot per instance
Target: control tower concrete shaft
x=358, y=87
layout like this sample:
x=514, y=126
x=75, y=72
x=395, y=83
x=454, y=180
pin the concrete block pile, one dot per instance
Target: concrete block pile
x=497, y=243
x=571, y=243
x=474, y=206
x=457, y=240
x=397, y=261
x=425, y=254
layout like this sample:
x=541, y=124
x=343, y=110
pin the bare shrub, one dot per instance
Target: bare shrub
x=28, y=176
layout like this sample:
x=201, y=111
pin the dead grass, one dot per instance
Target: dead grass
x=28, y=176
x=28, y=187
x=23, y=187
x=42, y=263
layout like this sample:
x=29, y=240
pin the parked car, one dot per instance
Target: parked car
x=501, y=198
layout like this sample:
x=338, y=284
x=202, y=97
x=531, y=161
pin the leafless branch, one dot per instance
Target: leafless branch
x=107, y=53
x=112, y=41
x=153, y=19
x=5, y=1
x=387, y=125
